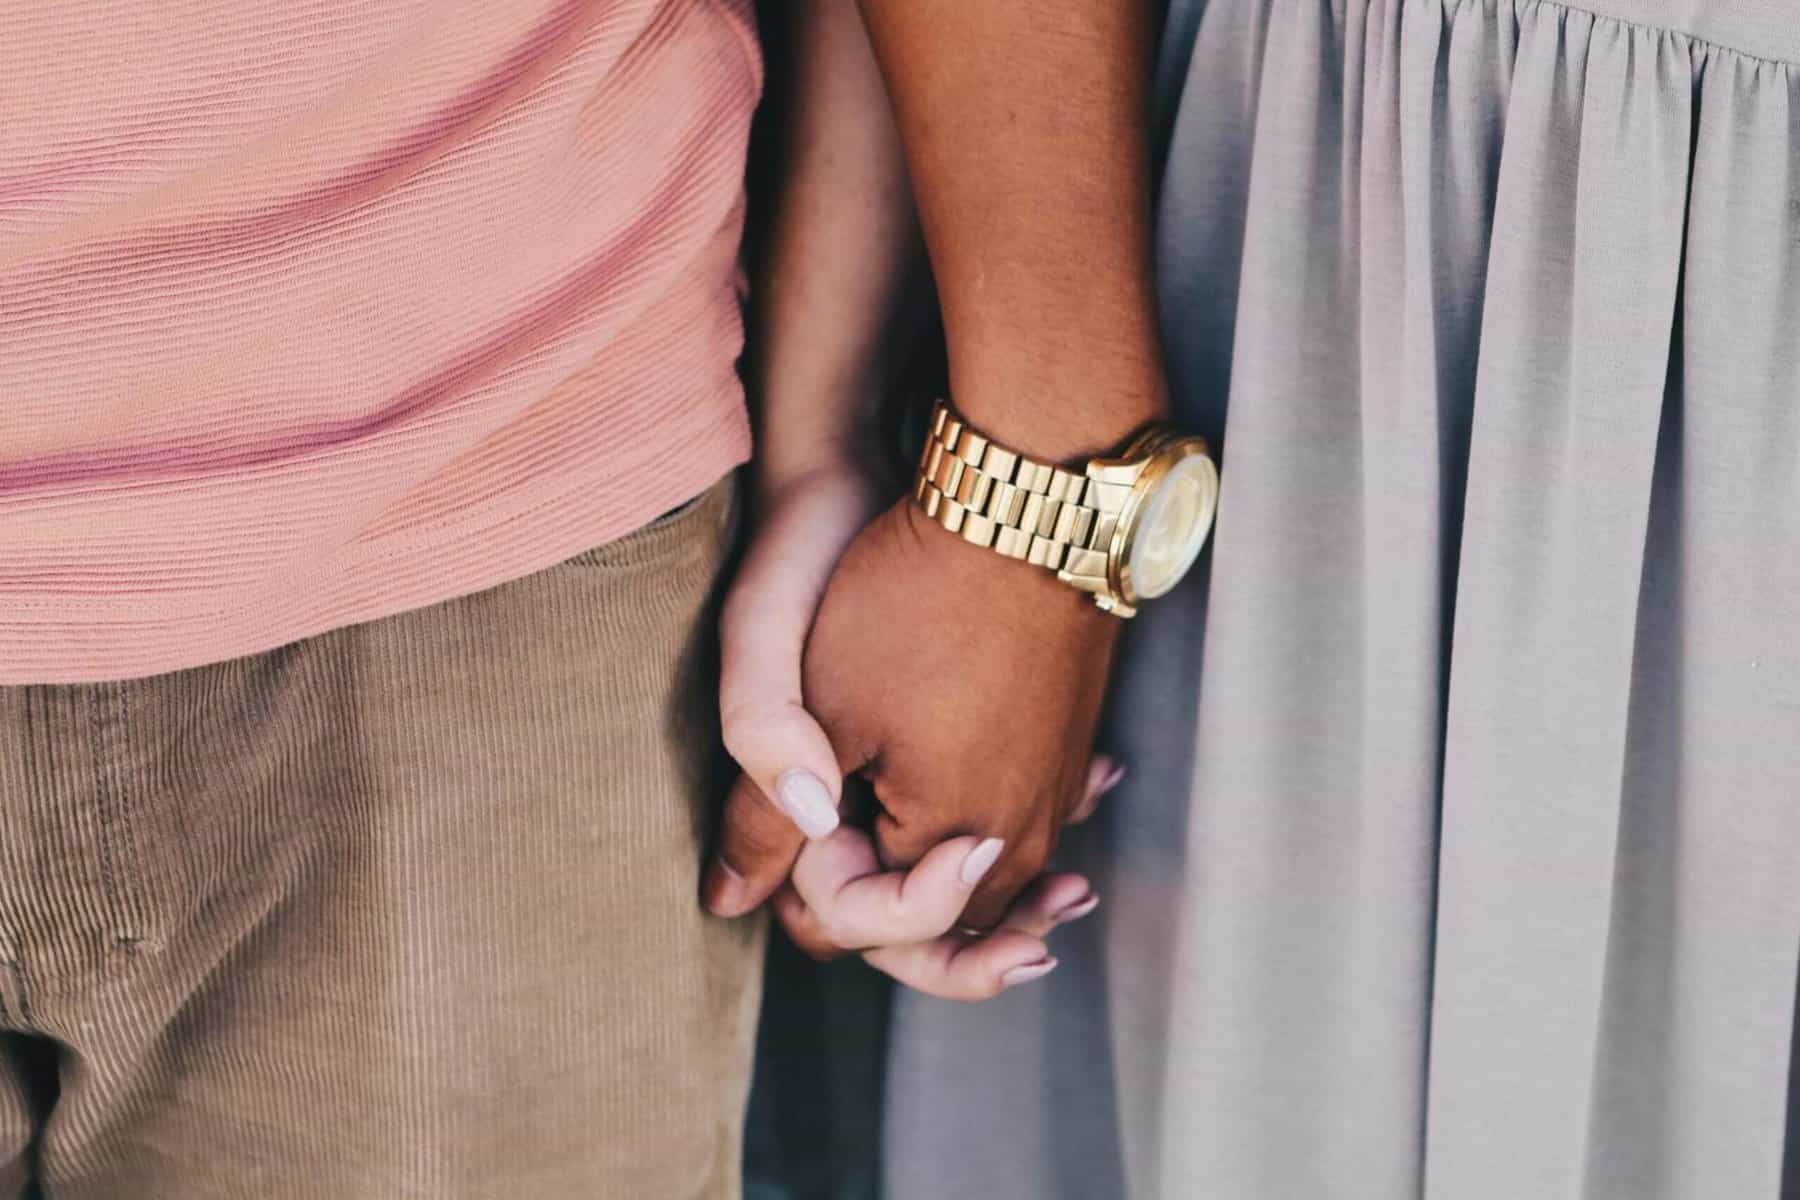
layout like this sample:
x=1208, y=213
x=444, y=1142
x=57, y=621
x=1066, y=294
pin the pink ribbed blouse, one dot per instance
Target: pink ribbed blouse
x=312, y=311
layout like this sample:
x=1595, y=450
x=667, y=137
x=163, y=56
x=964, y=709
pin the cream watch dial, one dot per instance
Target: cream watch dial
x=1172, y=526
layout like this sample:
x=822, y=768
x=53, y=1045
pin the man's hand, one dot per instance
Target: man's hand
x=966, y=687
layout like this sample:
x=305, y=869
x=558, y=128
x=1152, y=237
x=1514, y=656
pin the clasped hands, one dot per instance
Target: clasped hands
x=913, y=718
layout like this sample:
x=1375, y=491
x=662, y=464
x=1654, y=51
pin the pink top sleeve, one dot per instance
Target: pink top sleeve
x=316, y=310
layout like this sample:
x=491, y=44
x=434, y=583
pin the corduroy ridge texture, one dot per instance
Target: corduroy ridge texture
x=407, y=909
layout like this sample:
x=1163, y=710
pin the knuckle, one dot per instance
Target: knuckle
x=915, y=925
x=838, y=940
x=1030, y=857
x=829, y=929
x=744, y=728
x=753, y=838
x=980, y=991
x=802, y=928
x=813, y=946
x=899, y=911
x=736, y=737
x=816, y=945
x=989, y=907
x=756, y=732
x=898, y=847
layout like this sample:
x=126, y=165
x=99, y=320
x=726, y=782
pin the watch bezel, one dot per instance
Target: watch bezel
x=1162, y=449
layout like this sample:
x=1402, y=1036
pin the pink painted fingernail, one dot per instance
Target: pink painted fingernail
x=981, y=860
x=1077, y=910
x=807, y=802
x=1028, y=972
x=1113, y=778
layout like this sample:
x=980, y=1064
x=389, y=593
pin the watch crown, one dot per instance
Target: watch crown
x=1106, y=602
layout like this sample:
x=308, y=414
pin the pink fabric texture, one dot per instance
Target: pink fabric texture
x=312, y=311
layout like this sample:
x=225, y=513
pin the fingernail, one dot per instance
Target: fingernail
x=1028, y=972
x=1113, y=778
x=807, y=802
x=1077, y=910
x=981, y=860
x=726, y=892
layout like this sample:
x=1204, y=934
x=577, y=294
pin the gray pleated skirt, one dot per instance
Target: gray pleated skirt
x=1461, y=851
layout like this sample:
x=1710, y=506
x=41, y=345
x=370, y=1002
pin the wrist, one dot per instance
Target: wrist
x=844, y=485
x=1000, y=585
x=791, y=454
x=1064, y=407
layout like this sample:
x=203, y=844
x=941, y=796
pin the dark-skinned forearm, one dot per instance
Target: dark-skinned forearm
x=1025, y=129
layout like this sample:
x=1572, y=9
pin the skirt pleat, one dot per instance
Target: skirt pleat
x=1460, y=853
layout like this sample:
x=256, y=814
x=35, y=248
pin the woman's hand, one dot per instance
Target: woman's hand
x=905, y=923
x=789, y=777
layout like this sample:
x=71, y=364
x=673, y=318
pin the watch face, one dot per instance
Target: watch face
x=1172, y=525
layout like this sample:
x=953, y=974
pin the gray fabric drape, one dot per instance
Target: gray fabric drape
x=1461, y=857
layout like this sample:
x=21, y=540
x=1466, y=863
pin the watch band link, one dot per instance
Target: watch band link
x=996, y=498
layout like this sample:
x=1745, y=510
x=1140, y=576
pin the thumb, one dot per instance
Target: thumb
x=789, y=787
x=791, y=783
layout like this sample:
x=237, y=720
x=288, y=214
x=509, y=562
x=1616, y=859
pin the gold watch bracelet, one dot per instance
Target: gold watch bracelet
x=1038, y=512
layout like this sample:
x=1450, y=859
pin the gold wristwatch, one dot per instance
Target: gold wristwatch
x=1125, y=529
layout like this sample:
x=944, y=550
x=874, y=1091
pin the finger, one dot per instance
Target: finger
x=1052, y=901
x=1023, y=862
x=1057, y=900
x=763, y=629
x=802, y=926
x=957, y=968
x=1104, y=774
x=901, y=846
x=757, y=849
x=766, y=728
x=962, y=968
x=858, y=905
x=999, y=893
x=786, y=755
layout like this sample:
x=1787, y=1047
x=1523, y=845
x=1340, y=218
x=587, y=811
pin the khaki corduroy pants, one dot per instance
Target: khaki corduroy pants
x=404, y=910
